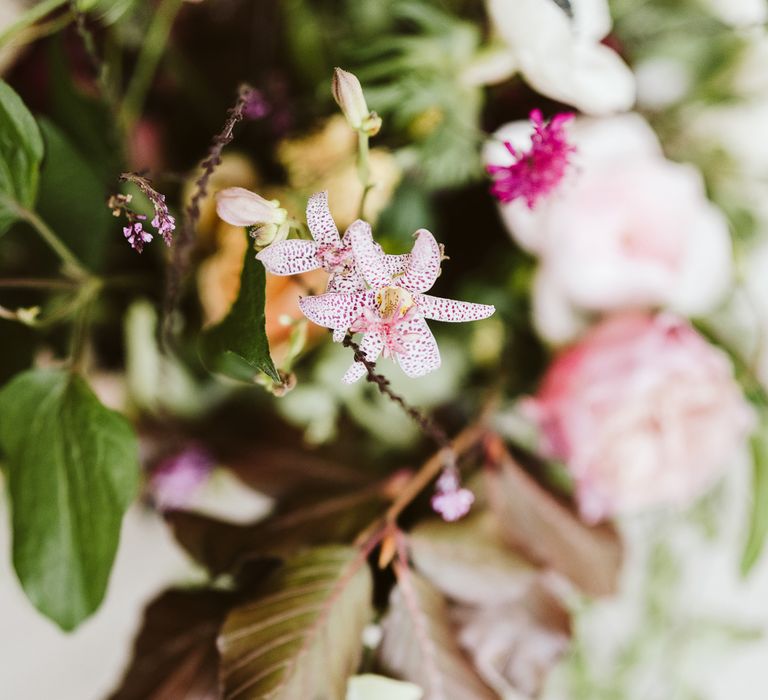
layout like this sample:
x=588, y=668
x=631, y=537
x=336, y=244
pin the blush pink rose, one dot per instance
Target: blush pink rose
x=626, y=229
x=643, y=411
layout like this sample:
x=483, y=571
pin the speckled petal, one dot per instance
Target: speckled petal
x=339, y=334
x=369, y=257
x=320, y=222
x=290, y=257
x=452, y=311
x=345, y=283
x=397, y=264
x=336, y=310
x=424, y=265
x=422, y=355
x=372, y=344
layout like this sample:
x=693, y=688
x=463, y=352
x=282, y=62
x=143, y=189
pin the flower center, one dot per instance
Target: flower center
x=336, y=259
x=395, y=307
x=394, y=302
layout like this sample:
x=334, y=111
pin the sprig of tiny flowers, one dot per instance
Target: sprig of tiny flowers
x=134, y=232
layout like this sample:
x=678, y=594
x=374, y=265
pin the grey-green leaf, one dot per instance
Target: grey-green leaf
x=72, y=469
x=238, y=346
x=302, y=637
x=21, y=150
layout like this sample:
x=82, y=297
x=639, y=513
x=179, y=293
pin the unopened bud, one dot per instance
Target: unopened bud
x=348, y=94
x=241, y=207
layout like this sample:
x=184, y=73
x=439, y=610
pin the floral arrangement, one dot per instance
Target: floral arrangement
x=519, y=453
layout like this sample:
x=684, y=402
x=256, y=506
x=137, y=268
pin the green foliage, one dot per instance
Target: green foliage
x=238, y=346
x=21, y=150
x=72, y=199
x=302, y=636
x=758, y=524
x=72, y=468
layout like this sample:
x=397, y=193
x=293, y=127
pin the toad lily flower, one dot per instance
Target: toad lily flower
x=328, y=251
x=392, y=313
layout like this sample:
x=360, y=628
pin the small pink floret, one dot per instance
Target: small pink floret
x=539, y=170
x=451, y=501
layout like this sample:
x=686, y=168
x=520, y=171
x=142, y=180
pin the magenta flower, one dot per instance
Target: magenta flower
x=391, y=313
x=539, y=169
x=178, y=477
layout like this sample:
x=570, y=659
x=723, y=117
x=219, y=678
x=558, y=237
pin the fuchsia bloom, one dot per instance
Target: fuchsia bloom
x=538, y=170
x=392, y=312
x=328, y=251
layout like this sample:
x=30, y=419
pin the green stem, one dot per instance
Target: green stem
x=152, y=49
x=53, y=241
x=363, y=168
x=29, y=18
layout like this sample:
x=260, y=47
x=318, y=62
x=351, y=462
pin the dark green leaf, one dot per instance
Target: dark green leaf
x=72, y=199
x=72, y=468
x=302, y=637
x=175, y=654
x=420, y=645
x=21, y=150
x=238, y=346
x=758, y=525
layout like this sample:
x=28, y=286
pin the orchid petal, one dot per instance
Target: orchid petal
x=345, y=283
x=371, y=345
x=369, y=257
x=452, y=311
x=339, y=334
x=424, y=265
x=290, y=257
x=336, y=310
x=320, y=222
x=397, y=264
x=421, y=355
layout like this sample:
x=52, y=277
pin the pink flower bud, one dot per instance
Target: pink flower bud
x=348, y=94
x=241, y=207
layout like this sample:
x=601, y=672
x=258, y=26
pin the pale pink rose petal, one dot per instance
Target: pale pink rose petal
x=451, y=310
x=336, y=310
x=424, y=266
x=372, y=344
x=320, y=222
x=369, y=257
x=290, y=257
x=421, y=355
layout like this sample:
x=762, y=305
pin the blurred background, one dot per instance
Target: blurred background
x=614, y=550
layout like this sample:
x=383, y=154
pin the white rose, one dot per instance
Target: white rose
x=627, y=229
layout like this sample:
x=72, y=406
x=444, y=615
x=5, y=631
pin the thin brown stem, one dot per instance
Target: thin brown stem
x=184, y=242
x=425, y=423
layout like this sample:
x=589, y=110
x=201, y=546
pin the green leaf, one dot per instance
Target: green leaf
x=72, y=199
x=21, y=150
x=72, y=468
x=758, y=523
x=238, y=346
x=302, y=637
x=419, y=643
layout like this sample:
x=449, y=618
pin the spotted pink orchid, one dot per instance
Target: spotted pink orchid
x=328, y=250
x=391, y=313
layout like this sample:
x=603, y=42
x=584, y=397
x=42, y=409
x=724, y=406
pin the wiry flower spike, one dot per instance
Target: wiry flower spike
x=136, y=235
x=162, y=221
x=538, y=170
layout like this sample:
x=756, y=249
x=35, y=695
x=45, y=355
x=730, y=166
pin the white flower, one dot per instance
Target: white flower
x=626, y=229
x=559, y=55
x=348, y=94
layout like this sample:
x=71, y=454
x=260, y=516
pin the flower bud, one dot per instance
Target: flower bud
x=241, y=207
x=348, y=94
